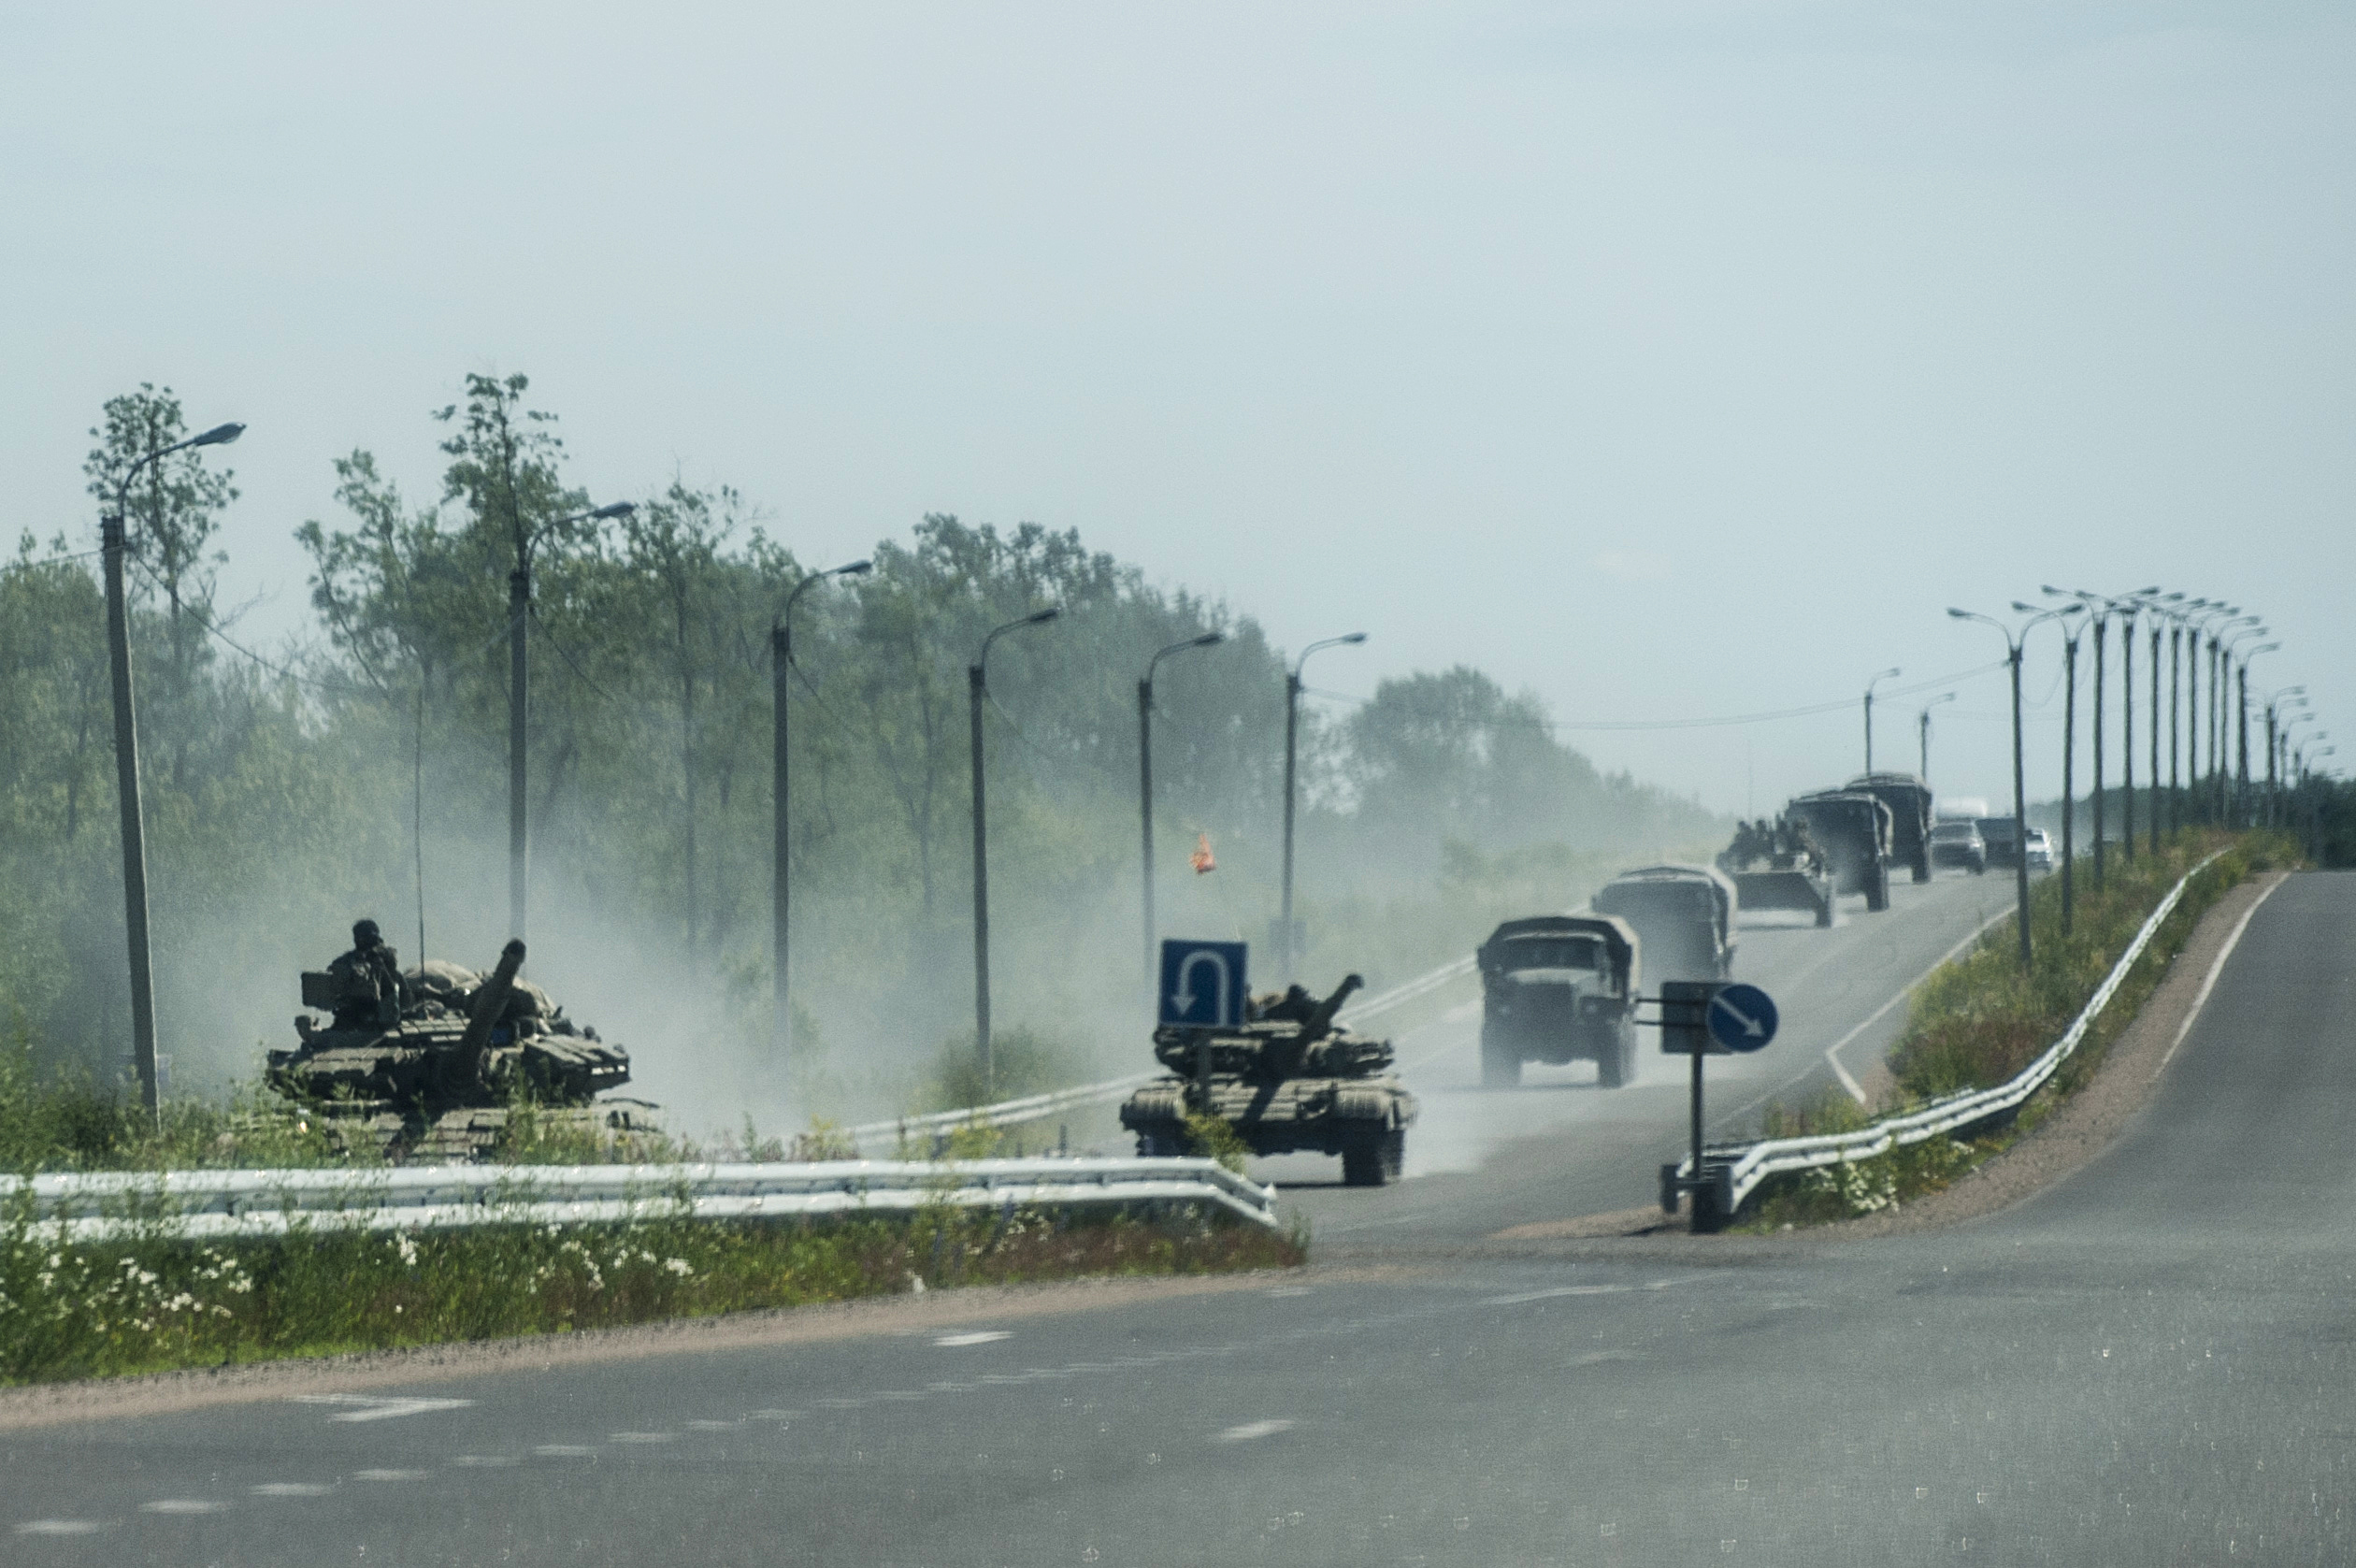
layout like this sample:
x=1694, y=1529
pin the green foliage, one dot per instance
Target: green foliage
x=1213, y=1137
x=1022, y=1061
x=151, y=1305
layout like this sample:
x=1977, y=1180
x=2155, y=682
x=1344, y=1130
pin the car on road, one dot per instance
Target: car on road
x=2040, y=850
x=1959, y=844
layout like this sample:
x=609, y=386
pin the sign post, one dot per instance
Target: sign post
x=1708, y=1018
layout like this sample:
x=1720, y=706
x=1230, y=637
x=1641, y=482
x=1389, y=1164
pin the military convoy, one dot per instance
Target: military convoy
x=1911, y=815
x=1286, y=1080
x=1777, y=866
x=1684, y=916
x=1558, y=988
x=430, y=1074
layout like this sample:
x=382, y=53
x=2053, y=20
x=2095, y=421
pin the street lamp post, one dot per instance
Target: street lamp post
x=1885, y=675
x=1145, y=778
x=520, y=697
x=1284, y=954
x=977, y=687
x=781, y=834
x=2221, y=694
x=2012, y=644
x=2070, y=634
x=1922, y=721
x=111, y=539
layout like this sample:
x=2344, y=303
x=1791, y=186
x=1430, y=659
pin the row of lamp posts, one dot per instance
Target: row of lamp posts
x=2203, y=636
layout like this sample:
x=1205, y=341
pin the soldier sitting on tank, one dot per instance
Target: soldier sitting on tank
x=368, y=981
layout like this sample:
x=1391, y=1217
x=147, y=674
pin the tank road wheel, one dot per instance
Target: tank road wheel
x=1500, y=1069
x=1373, y=1157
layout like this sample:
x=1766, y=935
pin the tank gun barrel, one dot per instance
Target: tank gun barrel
x=1320, y=1023
x=489, y=1001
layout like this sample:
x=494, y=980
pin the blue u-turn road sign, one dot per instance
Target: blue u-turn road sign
x=1202, y=984
x=1741, y=1017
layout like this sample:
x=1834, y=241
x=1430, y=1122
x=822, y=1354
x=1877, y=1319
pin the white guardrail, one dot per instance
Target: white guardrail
x=202, y=1204
x=1739, y=1168
x=901, y=1131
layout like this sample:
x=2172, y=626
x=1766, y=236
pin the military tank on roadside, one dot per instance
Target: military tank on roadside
x=432, y=1076
x=1287, y=1079
x=1777, y=865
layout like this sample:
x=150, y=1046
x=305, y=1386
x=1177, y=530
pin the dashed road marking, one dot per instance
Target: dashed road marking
x=1251, y=1429
x=388, y=1474
x=367, y=1407
x=58, y=1527
x=292, y=1489
x=1283, y=1291
x=564, y=1451
x=484, y=1462
x=183, y=1505
x=977, y=1336
x=714, y=1426
x=1558, y=1291
x=642, y=1437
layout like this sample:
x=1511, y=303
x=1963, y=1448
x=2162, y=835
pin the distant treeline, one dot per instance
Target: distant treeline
x=281, y=783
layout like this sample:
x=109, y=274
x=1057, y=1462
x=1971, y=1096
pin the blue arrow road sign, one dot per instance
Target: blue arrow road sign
x=1202, y=984
x=1741, y=1017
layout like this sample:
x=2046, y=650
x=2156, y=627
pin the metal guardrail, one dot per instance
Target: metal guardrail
x=1739, y=1168
x=937, y=1125
x=204, y=1204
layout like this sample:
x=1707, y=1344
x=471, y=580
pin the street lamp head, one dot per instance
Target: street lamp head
x=1041, y=617
x=857, y=568
x=619, y=509
x=1958, y=615
x=220, y=435
x=1209, y=639
x=1352, y=636
x=2145, y=593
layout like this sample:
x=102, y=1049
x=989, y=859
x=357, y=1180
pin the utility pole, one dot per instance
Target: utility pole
x=2156, y=802
x=2101, y=624
x=781, y=830
x=1284, y=954
x=2069, y=760
x=113, y=544
x=977, y=689
x=1885, y=675
x=1922, y=721
x=2127, y=733
x=520, y=692
x=1145, y=782
x=2176, y=712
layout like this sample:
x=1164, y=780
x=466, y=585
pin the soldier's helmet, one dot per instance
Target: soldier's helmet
x=364, y=934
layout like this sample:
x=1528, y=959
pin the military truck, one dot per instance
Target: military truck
x=1911, y=815
x=1558, y=988
x=1854, y=830
x=1684, y=916
x=1777, y=865
x=435, y=1082
x=1286, y=1081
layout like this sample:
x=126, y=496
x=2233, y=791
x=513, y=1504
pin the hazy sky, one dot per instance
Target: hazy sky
x=1673, y=360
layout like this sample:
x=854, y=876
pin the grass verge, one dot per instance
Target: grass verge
x=1980, y=1019
x=159, y=1304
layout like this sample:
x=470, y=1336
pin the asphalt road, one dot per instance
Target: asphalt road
x=2150, y=1362
x=1479, y=1161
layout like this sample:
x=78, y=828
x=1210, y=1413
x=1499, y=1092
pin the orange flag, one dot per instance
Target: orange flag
x=1201, y=859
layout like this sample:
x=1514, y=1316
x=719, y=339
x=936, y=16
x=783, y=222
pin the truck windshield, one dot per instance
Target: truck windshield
x=1554, y=953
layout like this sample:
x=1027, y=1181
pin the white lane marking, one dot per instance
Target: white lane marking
x=774, y=1416
x=183, y=1505
x=978, y=1336
x=388, y=1474
x=2208, y=980
x=484, y=1462
x=1833, y=1052
x=1250, y=1429
x=1282, y=1291
x=566, y=1451
x=1596, y=1358
x=292, y=1489
x=365, y=1407
x=714, y=1426
x=1558, y=1291
x=57, y=1526
x=641, y=1437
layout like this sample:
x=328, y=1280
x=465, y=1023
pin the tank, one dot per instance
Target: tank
x=1684, y=915
x=1777, y=865
x=1287, y=1080
x=1911, y=815
x=1558, y=988
x=1855, y=833
x=435, y=1082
